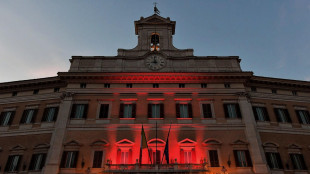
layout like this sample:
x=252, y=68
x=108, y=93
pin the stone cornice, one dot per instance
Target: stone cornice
x=278, y=83
x=31, y=84
x=155, y=77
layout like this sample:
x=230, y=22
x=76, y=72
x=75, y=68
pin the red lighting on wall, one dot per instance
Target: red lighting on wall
x=182, y=99
x=155, y=99
x=128, y=99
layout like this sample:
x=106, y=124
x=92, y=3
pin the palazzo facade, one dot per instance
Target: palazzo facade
x=89, y=119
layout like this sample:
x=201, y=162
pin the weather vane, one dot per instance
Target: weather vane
x=156, y=11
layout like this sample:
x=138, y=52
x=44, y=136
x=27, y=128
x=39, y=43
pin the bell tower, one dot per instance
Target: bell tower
x=155, y=34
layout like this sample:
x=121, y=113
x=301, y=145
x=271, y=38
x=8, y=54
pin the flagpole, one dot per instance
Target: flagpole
x=156, y=146
x=166, y=144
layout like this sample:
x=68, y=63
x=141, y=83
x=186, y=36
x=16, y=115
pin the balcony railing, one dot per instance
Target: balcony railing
x=158, y=168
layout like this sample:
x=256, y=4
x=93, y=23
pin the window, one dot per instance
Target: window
x=69, y=159
x=129, y=85
x=274, y=91
x=282, y=115
x=184, y=110
x=56, y=89
x=253, y=89
x=227, y=85
x=97, y=159
x=206, y=110
x=104, y=111
x=232, y=110
x=204, y=85
x=37, y=161
x=298, y=161
x=274, y=160
x=242, y=158
x=303, y=116
x=127, y=110
x=50, y=114
x=214, y=160
x=260, y=113
x=156, y=110
x=155, y=42
x=13, y=163
x=187, y=157
x=36, y=91
x=14, y=94
x=79, y=111
x=82, y=85
x=294, y=93
x=6, y=118
x=155, y=85
x=156, y=156
x=107, y=85
x=124, y=157
x=181, y=85
x=28, y=116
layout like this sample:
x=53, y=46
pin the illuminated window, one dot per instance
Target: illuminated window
x=232, y=110
x=97, y=159
x=50, y=114
x=13, y=163
x=155, y=42
x=28, y=116
x=124, y=157
x=260, y=113
x=282, y=115
x=303, y=116
x=155, y=110
x=69, y=159
x=184, y=110
x=6, y=118
x=187, y=157
x=37, y=161
x=79, y=111
x=127, y=110
x=242, y=158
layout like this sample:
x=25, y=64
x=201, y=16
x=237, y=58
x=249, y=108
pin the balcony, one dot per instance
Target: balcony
x=159, y=168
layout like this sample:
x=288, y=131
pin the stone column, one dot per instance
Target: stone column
x=253, y=137
x=56, y=144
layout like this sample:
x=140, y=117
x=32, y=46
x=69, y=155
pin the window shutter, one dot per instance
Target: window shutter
x=44, y=117
x=190, y=110
x=182, y=156
x=133, y=110
x=73, y=111
x=288, y=116
x=63, y=159
x=85, y=111
x=279, y=160
x=177, y=109
x=33, y=119
x=11, y=118
x=193, y=156
x=162, y=110
x=43, y=161
x=255, y=113
x=130, y=156
x=266, y=114
x=238, y=111
x=248, y=158
x=121, y=111
x=56, y=114
x=236, y=158
x=298, y=116
x=76, y=157
x=277, y=114
x=149, y=110
x=226, y=110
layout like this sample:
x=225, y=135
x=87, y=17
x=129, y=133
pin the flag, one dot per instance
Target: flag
x=166, y=151
x=143, y=143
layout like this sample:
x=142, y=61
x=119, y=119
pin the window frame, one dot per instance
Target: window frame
x=122, y=106
x=17, y=166
x=202, y=112
x=306, y=118
x=64, y=159
x=32, y=164
x=266, y=117
x=189, y=109
x=45, y=114
x=246, y=158
x=9, y=122
x=237, y=110
x=279, y=117
x=73, y=111
x=24, y=119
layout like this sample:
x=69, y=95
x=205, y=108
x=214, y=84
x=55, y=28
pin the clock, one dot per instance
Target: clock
x=155, y=62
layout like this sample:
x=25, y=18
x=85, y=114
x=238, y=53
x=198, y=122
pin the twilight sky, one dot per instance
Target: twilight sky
x=38, y=37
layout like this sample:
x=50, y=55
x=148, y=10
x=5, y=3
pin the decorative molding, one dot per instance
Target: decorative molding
x=73, y=143
x=66, y=95
x=211, y=142
x=41, y=146
x=124, y=143
x=18, y=148
x=100, y=143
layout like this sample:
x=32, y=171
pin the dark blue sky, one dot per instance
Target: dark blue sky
x=37, y=37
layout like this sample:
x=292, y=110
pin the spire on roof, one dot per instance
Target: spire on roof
x=156, y=11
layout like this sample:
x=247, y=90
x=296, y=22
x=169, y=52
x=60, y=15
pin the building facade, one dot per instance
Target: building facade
x=89, y=119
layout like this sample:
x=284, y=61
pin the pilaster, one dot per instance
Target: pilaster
x=56, y=144
x=253, y=137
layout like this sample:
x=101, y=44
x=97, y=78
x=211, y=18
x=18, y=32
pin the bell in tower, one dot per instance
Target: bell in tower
x=155, y=42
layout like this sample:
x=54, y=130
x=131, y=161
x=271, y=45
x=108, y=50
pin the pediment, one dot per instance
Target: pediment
x=73, y=143
x=125, y=142
x=211, y=142
x=154, y=19
x=239, y=142
x=270, y=144
x=187, y=142
x=18, y=148
x=100, y=143
x=158, y=141
x=42, y=146
x=294, y=146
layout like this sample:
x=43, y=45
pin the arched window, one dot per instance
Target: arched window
x=155, y=42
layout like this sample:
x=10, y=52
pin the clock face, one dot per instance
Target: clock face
x=155, y=62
